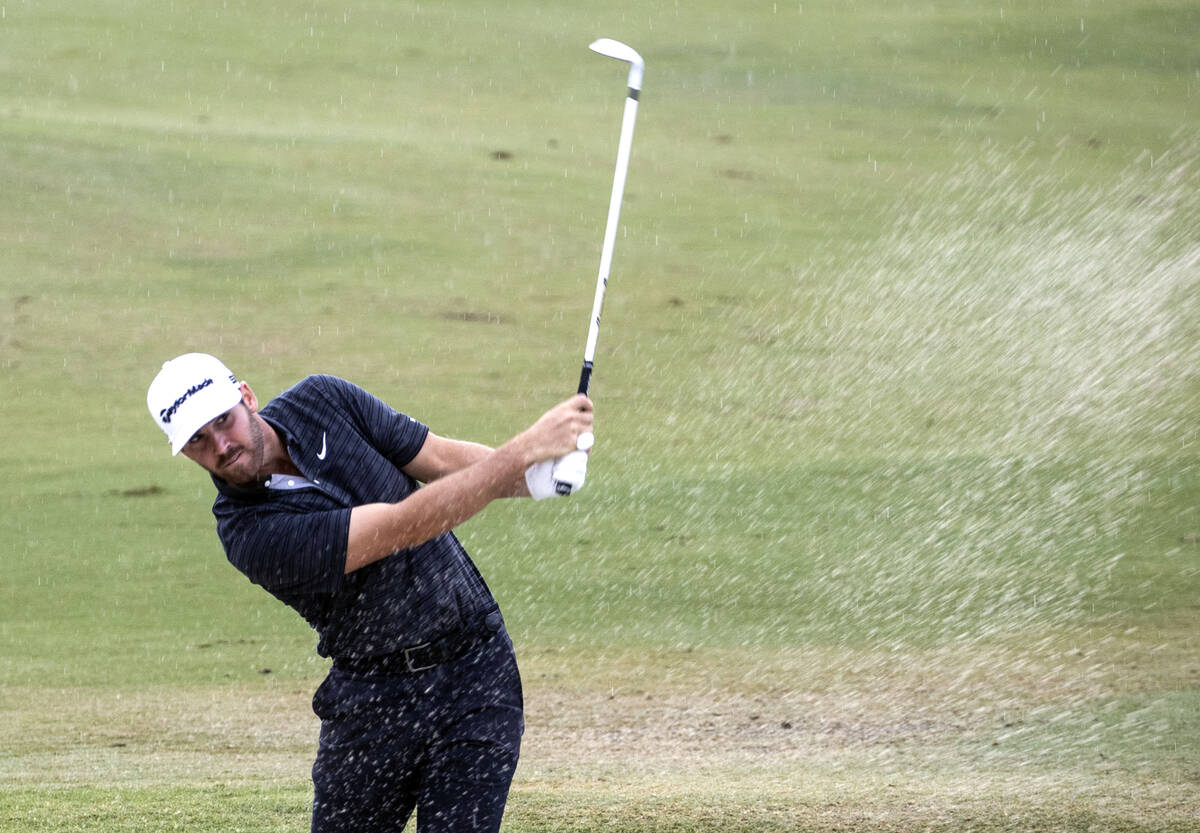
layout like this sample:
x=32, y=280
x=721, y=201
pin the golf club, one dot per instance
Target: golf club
x=569, y=471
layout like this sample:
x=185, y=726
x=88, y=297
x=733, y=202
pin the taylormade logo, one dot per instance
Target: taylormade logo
x=166, y=413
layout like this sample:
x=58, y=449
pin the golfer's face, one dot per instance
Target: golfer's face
x=228, y=446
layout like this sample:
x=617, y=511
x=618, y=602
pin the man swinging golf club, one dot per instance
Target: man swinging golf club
x=319, y=502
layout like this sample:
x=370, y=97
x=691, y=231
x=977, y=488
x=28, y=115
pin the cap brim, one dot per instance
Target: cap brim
x=201, y=409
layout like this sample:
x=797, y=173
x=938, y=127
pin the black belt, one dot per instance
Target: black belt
x=426, y=655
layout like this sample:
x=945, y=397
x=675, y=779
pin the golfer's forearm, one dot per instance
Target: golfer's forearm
x=516, y=488
x=457, y=455
x=379, y=529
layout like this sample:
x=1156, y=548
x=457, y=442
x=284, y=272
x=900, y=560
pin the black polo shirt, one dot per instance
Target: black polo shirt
x=292, y=541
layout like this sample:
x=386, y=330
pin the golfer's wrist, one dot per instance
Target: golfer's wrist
x=519, y=453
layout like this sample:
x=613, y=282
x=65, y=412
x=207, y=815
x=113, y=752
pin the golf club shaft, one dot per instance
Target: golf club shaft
x=610, y=230
x=570, y=470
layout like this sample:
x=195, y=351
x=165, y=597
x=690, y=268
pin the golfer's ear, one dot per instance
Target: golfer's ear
x=248, y=398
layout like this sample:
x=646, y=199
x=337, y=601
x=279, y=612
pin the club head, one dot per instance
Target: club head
x=615, y=49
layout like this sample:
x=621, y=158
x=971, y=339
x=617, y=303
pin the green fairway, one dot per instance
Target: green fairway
x=893, y=522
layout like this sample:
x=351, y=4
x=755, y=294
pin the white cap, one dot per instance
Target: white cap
x=189, y=392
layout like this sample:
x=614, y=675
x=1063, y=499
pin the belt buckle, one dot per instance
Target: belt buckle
x=408, y=660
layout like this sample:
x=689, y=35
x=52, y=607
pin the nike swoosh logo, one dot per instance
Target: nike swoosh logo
x=321, y=453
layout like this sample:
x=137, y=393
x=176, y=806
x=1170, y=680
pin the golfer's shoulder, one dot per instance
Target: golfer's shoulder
x=321, y=388
x=319, y=384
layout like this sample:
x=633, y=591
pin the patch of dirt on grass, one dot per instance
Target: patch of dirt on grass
x=709, y=726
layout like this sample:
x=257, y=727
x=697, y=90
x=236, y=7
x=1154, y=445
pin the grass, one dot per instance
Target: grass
x=893, y=521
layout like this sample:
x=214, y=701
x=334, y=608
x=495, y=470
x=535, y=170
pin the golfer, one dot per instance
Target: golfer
x=319, y=501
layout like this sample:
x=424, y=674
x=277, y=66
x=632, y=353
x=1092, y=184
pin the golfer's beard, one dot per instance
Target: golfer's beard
x=251, y=461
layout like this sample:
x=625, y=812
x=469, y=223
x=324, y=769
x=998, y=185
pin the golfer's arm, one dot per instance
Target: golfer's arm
x=379, y=529
x=440, y=456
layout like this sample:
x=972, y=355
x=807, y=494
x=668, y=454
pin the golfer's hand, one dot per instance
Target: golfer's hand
x=557, y=432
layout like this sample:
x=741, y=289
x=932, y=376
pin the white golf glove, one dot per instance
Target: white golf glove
x=540, y=479
x=564, y=476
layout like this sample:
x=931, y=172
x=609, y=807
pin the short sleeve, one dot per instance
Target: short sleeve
x=291, y=552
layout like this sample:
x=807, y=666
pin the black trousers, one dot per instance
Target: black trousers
x=444, y=741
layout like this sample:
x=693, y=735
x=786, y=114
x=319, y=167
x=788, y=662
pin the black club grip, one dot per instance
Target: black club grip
x=585, y=378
